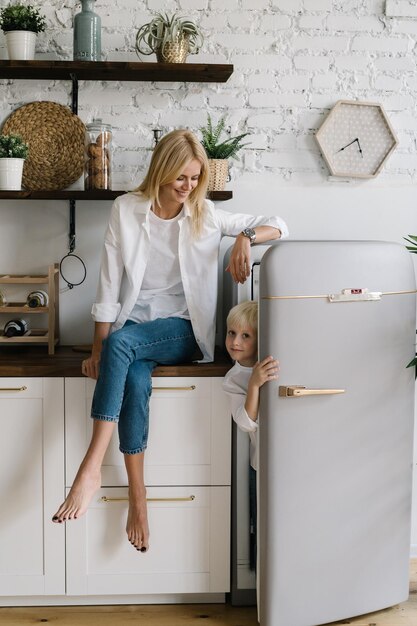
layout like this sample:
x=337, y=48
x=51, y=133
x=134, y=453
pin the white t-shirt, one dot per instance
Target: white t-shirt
x=126, y=253
x=235, y=384
x=162, y=292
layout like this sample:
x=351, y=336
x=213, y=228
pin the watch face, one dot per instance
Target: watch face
x=250, y=233
x=356, y=139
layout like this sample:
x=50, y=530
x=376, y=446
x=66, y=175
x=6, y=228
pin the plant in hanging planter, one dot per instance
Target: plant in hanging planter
x=13, y=152
x=171, y=38
x=20, y=24
x=412, y=240
x=219, y=151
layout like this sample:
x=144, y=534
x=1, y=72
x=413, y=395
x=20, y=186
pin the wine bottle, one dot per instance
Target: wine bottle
x=37, y=298
x=15, y=328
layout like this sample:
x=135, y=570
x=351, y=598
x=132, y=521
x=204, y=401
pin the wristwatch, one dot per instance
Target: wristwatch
x=250, y=234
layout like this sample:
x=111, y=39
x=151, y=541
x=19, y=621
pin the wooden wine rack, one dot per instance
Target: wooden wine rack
x=48, y=336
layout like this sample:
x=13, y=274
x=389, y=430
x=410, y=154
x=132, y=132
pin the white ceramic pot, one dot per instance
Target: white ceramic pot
x=11, y=171
x=20, y=44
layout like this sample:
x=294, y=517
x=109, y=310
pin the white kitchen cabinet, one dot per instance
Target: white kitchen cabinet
x=188, y=485
x=32, y=548
x=187, y=473
x=189, y=433
x=189, y=544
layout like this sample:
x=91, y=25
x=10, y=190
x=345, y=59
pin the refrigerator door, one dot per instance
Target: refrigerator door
x=335, y=468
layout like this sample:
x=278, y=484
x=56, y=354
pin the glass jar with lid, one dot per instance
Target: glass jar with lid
x=98, y=155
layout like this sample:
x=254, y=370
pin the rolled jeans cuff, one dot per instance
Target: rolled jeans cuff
x=104, y=418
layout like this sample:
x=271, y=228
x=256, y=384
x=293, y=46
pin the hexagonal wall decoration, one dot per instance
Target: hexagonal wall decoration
x=356, y=139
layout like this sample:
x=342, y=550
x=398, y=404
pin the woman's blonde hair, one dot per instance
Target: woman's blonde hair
x=171, y=154
x=244, y=314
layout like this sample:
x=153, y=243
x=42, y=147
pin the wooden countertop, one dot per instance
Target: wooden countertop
x=31, y=361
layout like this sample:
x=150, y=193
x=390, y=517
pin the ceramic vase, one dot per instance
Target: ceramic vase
x=11, y=171
x=20, y=44
x=87, y=33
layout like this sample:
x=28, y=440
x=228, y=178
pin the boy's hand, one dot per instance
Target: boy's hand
x=263, y=371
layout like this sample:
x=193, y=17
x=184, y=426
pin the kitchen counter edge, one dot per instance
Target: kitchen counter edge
x=66, y=362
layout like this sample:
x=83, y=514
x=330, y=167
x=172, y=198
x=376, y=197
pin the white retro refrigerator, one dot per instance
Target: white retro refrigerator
x=336, y=430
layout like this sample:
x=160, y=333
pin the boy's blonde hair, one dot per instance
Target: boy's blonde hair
x=244, y=314
x=171, y=154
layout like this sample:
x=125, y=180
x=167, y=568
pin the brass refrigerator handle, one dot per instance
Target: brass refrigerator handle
x=125, y=499
x=13, y=388
x=190, y=388
x=296, y=391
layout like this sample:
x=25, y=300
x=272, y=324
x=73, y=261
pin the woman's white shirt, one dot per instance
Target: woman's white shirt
x=126, y=252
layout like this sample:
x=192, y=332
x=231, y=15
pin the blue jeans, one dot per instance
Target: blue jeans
x=124, y=385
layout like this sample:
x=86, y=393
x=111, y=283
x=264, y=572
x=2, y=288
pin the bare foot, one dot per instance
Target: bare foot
x=137, y=528
x=76, y=503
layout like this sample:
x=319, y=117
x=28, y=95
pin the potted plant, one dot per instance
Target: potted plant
x=13, y=152
x=170, y=38
x=219, y=152
x=20, y=24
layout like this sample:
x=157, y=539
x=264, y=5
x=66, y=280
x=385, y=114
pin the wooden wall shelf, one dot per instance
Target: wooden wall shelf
x=116, y=70
x=97, y=194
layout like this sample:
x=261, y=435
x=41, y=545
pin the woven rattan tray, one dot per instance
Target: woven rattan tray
x=56, y=144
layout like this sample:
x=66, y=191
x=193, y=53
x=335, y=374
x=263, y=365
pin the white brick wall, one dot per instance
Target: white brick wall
x=293, y=60
x=288, y=54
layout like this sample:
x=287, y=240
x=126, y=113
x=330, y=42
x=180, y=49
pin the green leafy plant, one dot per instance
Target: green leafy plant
x=13, y=147
x=215, y=148
x=412, y=240
x=163, y=29
x=21, y=17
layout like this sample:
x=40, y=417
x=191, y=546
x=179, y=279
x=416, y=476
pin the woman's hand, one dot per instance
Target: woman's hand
x=90, y=367
x=239, y=264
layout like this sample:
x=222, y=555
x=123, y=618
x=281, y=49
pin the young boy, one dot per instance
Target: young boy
x=242, y=384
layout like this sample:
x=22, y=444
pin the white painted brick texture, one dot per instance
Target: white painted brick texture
x=293, y=60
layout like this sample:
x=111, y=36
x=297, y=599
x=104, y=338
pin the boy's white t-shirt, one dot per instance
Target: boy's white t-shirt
x=235, y=384
x=162, y=291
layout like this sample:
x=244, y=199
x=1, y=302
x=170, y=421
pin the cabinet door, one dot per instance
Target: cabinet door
x=189, y=545
x=32, y=548
x=189, y=433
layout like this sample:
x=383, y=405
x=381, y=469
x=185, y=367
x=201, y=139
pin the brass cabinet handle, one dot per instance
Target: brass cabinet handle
x=296, y=391
x=190, y=388
x=185, y=499
x=13, y=388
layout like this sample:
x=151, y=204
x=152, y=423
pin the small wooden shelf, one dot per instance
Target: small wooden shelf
x=68, y=194
x=49, y=335
x=22, y=307
x=116, y=71
x=23, y=279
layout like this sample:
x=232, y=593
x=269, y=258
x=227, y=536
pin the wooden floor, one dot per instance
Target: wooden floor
x=404, y=614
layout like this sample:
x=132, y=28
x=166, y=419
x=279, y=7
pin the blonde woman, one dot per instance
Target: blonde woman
x=156, y=304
